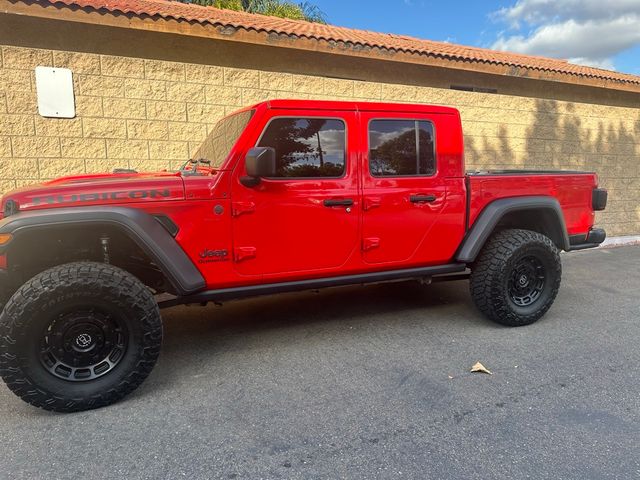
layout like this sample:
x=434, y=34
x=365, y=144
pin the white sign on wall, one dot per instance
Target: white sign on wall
x=54, y=87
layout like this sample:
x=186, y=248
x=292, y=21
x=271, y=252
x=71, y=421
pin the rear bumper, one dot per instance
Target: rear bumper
x=592, y=239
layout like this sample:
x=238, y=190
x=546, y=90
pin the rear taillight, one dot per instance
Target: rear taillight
x=599, y=199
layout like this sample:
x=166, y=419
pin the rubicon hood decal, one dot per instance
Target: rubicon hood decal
x=99, y=191
x=94, y=197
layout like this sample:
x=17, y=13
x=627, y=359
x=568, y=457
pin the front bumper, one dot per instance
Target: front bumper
x=590, y=240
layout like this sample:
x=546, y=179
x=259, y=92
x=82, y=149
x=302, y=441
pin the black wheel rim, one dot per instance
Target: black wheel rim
x=526, y=281
x=83, y=345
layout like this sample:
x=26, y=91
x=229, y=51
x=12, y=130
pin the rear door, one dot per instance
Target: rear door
x=304, y=221
x=403, y=190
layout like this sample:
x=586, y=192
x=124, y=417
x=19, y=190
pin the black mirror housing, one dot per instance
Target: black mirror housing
x=261, y=162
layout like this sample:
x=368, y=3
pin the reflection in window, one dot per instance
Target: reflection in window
x=401, y=147
x=306, y=147
x=223, y=137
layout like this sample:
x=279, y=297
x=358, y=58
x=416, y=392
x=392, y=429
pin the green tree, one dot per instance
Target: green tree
x=299, y=152
x=399, y=155
x=277, y=8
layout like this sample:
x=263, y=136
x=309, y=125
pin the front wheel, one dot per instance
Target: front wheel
x=516, y=277
x=79, y=336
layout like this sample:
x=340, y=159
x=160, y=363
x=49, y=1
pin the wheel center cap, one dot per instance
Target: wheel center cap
x=84, y=340
x=523, y=280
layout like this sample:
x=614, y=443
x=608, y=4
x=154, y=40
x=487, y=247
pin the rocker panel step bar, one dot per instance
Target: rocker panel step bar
x=236, y=293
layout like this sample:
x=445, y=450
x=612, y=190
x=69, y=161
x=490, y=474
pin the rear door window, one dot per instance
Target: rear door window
x=401, y=148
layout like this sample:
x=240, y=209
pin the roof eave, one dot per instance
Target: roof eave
x=243, y=35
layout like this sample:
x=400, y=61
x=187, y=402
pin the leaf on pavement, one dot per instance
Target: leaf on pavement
x=478, y=367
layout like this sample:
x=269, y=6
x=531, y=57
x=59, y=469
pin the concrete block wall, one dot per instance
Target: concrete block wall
x=150, y=114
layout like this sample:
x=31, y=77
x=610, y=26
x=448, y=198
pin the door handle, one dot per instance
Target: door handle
x=422, y=198
x=346, y=202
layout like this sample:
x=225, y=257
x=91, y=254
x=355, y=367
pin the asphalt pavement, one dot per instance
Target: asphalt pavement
x=367, y=383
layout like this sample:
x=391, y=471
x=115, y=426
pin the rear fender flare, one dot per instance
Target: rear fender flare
x=147, y=232
x=490, y=217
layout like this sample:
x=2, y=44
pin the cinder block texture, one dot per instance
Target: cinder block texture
x=152, y=114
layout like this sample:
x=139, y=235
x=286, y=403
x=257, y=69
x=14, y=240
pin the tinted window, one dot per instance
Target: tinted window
x=223, y=137
x=401, y=147
x=306, y=147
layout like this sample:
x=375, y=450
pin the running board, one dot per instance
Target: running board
x=236, y=293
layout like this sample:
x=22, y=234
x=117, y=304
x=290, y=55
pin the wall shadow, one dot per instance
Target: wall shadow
x=560, y=137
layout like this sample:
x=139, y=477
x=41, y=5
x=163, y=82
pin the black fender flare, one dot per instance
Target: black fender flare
x=492, y=214
x=143, y=228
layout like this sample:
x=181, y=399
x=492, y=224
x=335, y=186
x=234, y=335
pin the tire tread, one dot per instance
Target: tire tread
x=87, y=276
x=487, y=276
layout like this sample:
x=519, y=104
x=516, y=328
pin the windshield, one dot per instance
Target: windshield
x=223, y=137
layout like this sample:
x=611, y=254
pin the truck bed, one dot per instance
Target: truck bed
x=572, y=189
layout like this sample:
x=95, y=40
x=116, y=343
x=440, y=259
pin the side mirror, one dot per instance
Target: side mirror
x=259, y=162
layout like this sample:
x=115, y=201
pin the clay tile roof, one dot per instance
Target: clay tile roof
x=356, y=38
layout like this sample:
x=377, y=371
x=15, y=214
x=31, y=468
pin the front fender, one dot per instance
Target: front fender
x=139, y=226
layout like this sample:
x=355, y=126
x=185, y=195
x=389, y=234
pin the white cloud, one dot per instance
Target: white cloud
x=589, y=32
x=377, y=138
x=540, y=11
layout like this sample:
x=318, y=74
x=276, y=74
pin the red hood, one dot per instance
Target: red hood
x=104, y=189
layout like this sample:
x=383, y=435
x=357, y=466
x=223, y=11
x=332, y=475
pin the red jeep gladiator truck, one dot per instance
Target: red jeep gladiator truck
x=284, y=195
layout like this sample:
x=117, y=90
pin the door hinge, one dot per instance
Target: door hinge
x=370, y=243
x=238, y=208
x=244, y=253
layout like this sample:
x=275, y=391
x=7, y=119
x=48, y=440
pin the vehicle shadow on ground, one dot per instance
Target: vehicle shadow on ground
x=203, y=334
x=304, y=308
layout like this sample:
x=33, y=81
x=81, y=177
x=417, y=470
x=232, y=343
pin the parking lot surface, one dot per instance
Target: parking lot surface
x=368, y=382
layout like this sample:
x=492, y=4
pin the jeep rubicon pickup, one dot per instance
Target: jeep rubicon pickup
x=281, y=196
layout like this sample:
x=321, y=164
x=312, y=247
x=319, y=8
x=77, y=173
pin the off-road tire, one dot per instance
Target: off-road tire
x=494, y=269
x=70, y=287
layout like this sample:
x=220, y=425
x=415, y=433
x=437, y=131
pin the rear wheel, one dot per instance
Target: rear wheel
x=79, y=336
x=516, y=277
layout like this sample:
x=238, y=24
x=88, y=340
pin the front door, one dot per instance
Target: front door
x=403, y=192
x=304, y=221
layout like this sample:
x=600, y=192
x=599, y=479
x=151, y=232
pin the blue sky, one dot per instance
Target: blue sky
x=601, y=33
